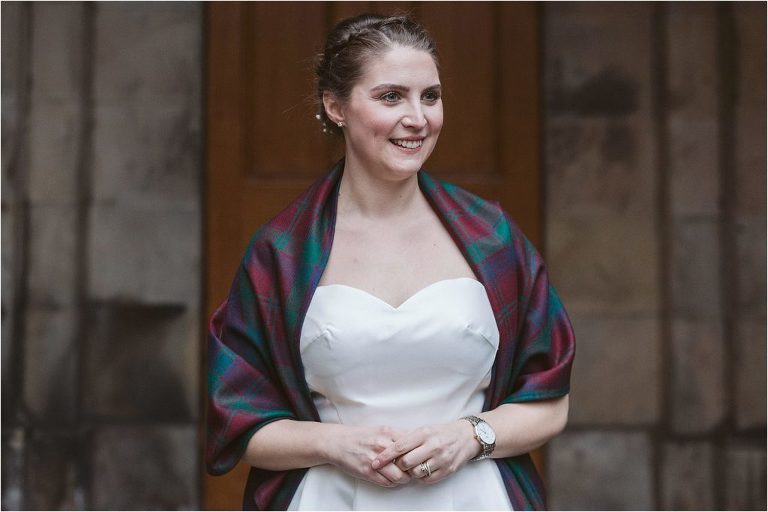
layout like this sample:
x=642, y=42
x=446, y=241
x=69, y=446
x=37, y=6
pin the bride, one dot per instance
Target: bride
x=390, y=341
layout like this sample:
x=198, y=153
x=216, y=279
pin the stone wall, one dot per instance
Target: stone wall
x=101, y=255
x=656, y=237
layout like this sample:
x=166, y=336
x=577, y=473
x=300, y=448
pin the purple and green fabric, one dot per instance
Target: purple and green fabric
x=255, y=374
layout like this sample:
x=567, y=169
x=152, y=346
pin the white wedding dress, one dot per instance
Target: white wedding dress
x=427, y=361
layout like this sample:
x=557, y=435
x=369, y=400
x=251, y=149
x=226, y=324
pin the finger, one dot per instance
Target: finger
x=403, y=445
x=424, y=469
x=436, y=476
x=412, y=459
x=417, y=473
x=377, y=478
x=395, y=475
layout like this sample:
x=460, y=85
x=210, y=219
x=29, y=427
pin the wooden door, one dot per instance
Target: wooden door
x=264, y=146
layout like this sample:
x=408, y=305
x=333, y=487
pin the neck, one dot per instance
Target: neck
x=371, y=197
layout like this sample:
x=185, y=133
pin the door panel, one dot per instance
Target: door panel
x=264, y=146
x=282, y=139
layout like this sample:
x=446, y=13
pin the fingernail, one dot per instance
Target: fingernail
x=376, y=464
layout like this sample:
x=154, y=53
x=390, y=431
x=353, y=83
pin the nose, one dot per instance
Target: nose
x=415, y=117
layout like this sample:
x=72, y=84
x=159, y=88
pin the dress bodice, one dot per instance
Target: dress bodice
x=424, y=362
x=427, y=360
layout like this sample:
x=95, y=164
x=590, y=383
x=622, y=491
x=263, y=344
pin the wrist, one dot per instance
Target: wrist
x=327, y=443
x=483, y=434
x=471, y=448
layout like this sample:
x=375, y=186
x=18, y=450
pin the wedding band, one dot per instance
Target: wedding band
x=425, y=468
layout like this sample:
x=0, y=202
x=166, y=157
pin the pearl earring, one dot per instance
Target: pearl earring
x=340, y=124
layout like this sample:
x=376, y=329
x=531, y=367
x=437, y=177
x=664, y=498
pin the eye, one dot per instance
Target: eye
x=431, y=96
x=390, y=97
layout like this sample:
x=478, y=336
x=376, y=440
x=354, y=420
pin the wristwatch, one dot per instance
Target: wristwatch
x=484, y=434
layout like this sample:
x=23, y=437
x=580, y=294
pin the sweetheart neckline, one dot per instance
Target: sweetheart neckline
x=406, y=301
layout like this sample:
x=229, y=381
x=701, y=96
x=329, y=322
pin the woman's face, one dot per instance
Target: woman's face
x=394, y=114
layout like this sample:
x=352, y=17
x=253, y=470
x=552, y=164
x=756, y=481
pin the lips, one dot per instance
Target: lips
x=407, y=143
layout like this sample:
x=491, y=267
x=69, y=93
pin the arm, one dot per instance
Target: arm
x=289, y=444
x=523, y=427
x=520, y=428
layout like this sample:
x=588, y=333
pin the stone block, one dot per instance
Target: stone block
x=148, y=51
x=59, y=51
x=694, y=179
x=50, y=364
x=9, y=344
x=745, y=477
x=54, y=125
x=750, y=156
x=697, y=376
x=599, y=167
x=148, y=156
x=604, y=265
x=14, y=44
x=750, y=267
x=52, y=256
x=687, y=477
x=11, y=146
x=750, y=375
x=145, y=256
x=14, y=84
x=749, y=111
x=586, y=49
x=616, y=376
x=691, y=60
x=142, y=362
x=146, y=468
x=600, y=148
x=600, y=471
x=8, y=279
x=750, y=25
x=694, y=271
x=692, y=116
x=8, y=350
x=54, y=141
x=52, y=476
x=14, y=442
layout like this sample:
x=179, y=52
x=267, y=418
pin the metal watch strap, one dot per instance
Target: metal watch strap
x=487, y=449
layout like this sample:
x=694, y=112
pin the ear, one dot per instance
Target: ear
x=333, y=107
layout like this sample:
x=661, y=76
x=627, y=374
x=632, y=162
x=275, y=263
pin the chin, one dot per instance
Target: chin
x=407, y=166
x=406, y=169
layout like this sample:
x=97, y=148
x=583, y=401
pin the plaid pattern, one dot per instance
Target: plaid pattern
x=255, y=375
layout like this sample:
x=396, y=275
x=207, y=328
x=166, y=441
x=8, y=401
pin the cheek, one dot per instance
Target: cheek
x=436, y=128
x=436, y=120
x=383, y=129
x=378, y=126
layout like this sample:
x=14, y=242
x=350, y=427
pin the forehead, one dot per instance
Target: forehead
x=401, y=65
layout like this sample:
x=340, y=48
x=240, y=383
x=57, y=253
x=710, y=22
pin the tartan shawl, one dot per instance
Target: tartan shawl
x=255, y=373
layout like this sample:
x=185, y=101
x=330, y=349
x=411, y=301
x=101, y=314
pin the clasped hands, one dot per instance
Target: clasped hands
x=389, y=457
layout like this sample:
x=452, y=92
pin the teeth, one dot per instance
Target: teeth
x=410, y=144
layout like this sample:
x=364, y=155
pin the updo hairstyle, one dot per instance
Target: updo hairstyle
x=351, y=43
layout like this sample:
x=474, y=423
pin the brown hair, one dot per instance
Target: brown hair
x=349, y=46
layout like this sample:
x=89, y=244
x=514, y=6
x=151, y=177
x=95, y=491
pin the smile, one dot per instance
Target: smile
x=408, y=144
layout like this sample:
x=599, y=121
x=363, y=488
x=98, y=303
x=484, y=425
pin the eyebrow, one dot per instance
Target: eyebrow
x=403, y=88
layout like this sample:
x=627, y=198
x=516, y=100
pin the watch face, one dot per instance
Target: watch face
x=486, y=433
